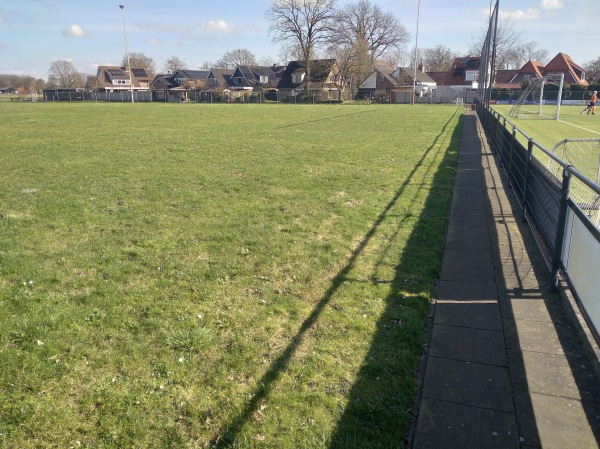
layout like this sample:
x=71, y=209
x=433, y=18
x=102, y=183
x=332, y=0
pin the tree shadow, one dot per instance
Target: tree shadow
x=376, y=414
x=379, y=411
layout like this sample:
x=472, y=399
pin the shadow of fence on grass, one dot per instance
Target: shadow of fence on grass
x=375, y=414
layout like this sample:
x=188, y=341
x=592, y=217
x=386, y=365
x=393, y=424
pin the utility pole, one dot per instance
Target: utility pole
x=414, y=93
x=127, y=51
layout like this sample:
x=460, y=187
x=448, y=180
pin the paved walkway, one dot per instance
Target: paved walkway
x=505, y=368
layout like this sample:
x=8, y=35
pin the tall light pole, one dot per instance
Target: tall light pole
x=127, y=51
x=416, y=53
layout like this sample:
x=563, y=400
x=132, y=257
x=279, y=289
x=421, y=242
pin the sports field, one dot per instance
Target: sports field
x=571, y=124
x=178, y=275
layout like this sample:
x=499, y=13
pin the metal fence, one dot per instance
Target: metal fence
x=563, y=224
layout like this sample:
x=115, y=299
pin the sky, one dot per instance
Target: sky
x=89, y=33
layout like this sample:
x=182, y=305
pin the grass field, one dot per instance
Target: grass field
x=217, y=275
x=571, y=124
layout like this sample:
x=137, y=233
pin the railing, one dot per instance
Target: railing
x=562, y=223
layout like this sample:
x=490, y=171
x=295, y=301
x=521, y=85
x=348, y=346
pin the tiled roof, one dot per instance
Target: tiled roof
x=320, y=70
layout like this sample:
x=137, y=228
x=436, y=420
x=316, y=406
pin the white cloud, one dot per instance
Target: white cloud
x=552, y=4
x=74, y=31
x=153, y=41
x=519, y=14
x=219, y=26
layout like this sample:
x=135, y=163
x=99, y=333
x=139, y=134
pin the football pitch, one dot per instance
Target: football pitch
x=571, y=124
x=182, y=275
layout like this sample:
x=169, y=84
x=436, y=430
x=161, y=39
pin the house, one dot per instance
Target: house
x=388, y=83
x=514, y=79
x=161, y=87
x=325, y=80
x=179, y=85
x=218, y=82
x=115, y=78
x=562, y=63
x=253, y=78
x=191, y=79
x=461, y=80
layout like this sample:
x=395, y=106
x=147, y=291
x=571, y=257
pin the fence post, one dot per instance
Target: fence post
x=511, y=150
x=527, y=167
x=560, y=228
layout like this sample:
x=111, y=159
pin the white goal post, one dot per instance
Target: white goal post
x=538, y=101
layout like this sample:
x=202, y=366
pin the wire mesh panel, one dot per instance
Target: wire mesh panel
x=584, y=155
x=543, y=199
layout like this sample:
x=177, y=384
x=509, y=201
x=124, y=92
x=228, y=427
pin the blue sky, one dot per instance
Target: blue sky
x=34, y=33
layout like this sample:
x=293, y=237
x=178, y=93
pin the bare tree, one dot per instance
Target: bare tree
x=366, y=24
x=511, y=52
x=438, y=58
x=141, y=61
x=266, y=61
x=529, y=51
x=62, y=74
x=235, y=58
x=593, y=70
x=289, y=52
x=27, y=83
x=305, y=23
x=399, y=58
x=173, y=64
x=361, y=33
x=206, y=65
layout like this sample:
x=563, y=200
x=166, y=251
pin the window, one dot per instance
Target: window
x=264, y=79
x=471, y=75
x=297, y=77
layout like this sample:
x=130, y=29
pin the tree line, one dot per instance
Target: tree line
x=358, y=35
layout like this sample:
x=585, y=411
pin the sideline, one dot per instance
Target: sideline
x=580, y=127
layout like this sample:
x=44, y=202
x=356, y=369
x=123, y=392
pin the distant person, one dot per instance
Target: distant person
x=591, y=107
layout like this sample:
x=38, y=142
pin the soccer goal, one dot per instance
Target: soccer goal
x=584, y=155
x=540, y=99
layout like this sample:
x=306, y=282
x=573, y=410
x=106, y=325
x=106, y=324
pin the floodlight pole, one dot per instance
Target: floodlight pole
x=127, y=51
x=414, y=93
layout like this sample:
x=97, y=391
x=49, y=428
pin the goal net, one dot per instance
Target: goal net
x=584, y=155
x=540, y=99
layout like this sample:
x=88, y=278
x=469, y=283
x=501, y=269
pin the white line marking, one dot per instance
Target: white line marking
x=580, y=127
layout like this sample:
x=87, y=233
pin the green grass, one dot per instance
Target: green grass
x=217, y=275
x=548, y=133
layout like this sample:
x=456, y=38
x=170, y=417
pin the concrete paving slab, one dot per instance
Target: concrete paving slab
x=467, y=211
x=466, y=291
x=552, y=422
x=551, y=374
x=446, y=425
x=475, y=241
x=468, y=230
x=538, y=336
x=533, y=307
x=467, y=191
x=470, y=221
x=473, y=158
x=470, y=345
x=467, y=383
x=467, y=266
x=469, y=202
x=469, y=314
